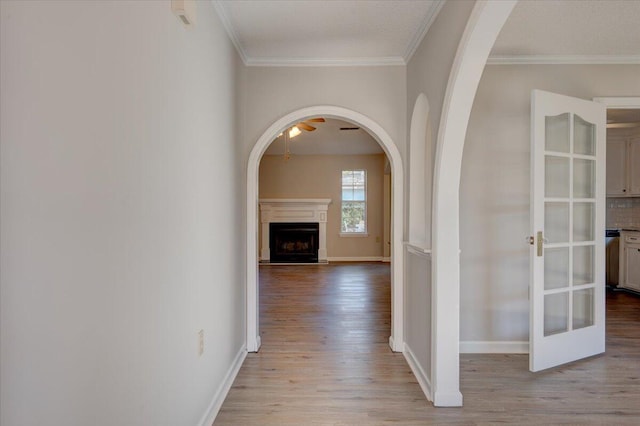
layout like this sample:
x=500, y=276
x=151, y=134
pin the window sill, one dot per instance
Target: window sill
x=354, y=234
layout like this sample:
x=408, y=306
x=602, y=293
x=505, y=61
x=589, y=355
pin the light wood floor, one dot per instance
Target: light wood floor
x=325, y=360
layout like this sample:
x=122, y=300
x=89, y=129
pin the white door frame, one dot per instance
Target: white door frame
x=396, y=340
x=483, y=27
x=620, y=102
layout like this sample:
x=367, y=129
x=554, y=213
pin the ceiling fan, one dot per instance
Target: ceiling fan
x=304, y=125
x=294, y=131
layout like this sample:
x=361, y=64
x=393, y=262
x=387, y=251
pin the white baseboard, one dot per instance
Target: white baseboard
x=447, y=399
x=418, y=371
x=392, y=345
x=223, y=390
x=386, y=259
x=496, y=347
x=355, y=259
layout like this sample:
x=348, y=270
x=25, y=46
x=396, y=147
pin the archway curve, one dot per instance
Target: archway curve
x=483, y=27
x=396, y=340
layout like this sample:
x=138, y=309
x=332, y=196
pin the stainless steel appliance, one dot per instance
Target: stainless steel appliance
x=613, y=256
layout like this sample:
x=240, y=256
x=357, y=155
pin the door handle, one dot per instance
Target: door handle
x=540, y=242
x=532, y=240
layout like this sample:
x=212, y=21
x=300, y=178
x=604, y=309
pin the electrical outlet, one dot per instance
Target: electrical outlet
x=200, y=342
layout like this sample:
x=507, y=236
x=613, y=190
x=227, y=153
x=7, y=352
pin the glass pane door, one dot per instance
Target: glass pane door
x=567, y=257
x=569, y=226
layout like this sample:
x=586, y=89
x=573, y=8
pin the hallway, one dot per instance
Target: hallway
x=325, y=356
x=325, y=360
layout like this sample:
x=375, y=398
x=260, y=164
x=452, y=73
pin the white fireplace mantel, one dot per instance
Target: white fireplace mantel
x=311, y=210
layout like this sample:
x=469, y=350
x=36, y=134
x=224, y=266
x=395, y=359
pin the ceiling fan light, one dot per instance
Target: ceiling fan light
x=294, y=131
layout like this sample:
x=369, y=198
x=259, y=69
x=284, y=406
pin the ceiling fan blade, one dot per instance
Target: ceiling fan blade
x=316, y=120
x=306, y=127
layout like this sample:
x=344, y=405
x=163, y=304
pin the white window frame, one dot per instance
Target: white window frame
x=364, y=233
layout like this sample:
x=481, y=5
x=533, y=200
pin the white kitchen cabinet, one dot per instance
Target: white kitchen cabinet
x=630, y=260
x=616, y=167
x=623, y=166
x=632, y=266
x=634, y=166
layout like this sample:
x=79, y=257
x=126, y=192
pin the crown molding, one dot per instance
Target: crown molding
x=325, y=62
x=564, y=60
x=328, y=62
x=226, y=22
x=422, y=31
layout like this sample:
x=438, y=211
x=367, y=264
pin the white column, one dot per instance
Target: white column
x=322, y=240
x=265, y=219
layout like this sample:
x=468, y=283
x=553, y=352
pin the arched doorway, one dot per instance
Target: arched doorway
x=483, y=27
x=487, y=293
x=396, y=340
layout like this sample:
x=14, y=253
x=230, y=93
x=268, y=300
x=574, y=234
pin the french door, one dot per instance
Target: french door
x=567, y=289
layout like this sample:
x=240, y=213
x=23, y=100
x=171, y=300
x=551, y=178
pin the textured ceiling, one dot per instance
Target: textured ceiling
x=327, y=32
x=328, y=139
x=605, y=29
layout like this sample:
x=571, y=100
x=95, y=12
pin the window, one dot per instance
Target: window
x=354, y=202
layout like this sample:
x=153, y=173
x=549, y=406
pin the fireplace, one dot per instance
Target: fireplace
x=294, y=242
x=300, y=212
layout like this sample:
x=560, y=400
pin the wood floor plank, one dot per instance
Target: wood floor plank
x=325, y=360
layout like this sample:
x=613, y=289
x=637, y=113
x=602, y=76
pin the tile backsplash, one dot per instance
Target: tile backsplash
x=623, y=212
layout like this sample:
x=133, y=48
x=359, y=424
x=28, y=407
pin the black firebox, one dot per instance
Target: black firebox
x=293, y=242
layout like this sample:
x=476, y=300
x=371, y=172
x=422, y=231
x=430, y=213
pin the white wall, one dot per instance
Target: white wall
x=377, y=92
x=429, y=68
x=494, y=193
x=119, y=226
x=418, y=312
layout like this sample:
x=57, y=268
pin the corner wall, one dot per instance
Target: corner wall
x=118, y=135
